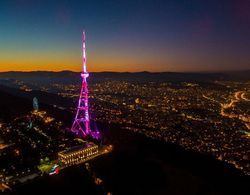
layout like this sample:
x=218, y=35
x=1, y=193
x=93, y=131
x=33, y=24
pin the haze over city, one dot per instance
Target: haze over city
x=125, y=35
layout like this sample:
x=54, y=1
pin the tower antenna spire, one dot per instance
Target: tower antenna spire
x=84, y=57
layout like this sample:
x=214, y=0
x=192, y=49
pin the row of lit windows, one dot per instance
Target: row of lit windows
x=79, y=156
x=79, y=152
x=74, y=160
x=76, y=154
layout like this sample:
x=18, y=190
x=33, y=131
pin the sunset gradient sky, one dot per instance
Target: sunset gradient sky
x=136, y=35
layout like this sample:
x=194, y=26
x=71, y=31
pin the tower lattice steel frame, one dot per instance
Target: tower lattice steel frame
x=81, y=124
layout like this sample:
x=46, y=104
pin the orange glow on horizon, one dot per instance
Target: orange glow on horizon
x=73, y=63
x=28, y=68
x=98, y=61
x=76, y=68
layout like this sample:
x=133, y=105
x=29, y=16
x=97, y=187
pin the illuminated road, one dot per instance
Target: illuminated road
x=208, y=98
x=238, y=96
x=4, y=187
x=243, y=96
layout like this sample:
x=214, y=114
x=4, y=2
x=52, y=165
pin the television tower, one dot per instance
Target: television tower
x=81, y=124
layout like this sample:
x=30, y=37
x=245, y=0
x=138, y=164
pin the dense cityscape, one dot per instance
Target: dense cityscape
x=206, y=117
x=212, y=118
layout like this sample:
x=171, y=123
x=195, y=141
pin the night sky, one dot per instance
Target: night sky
x=123, y=35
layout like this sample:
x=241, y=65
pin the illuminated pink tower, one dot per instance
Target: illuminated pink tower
x=81, y=125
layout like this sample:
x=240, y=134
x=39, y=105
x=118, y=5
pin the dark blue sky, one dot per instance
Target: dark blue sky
x=136, y=35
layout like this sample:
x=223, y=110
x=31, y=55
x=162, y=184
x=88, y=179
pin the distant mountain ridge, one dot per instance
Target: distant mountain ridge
x=73, y=77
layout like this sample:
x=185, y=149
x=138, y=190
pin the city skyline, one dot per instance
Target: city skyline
x=125, y=36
